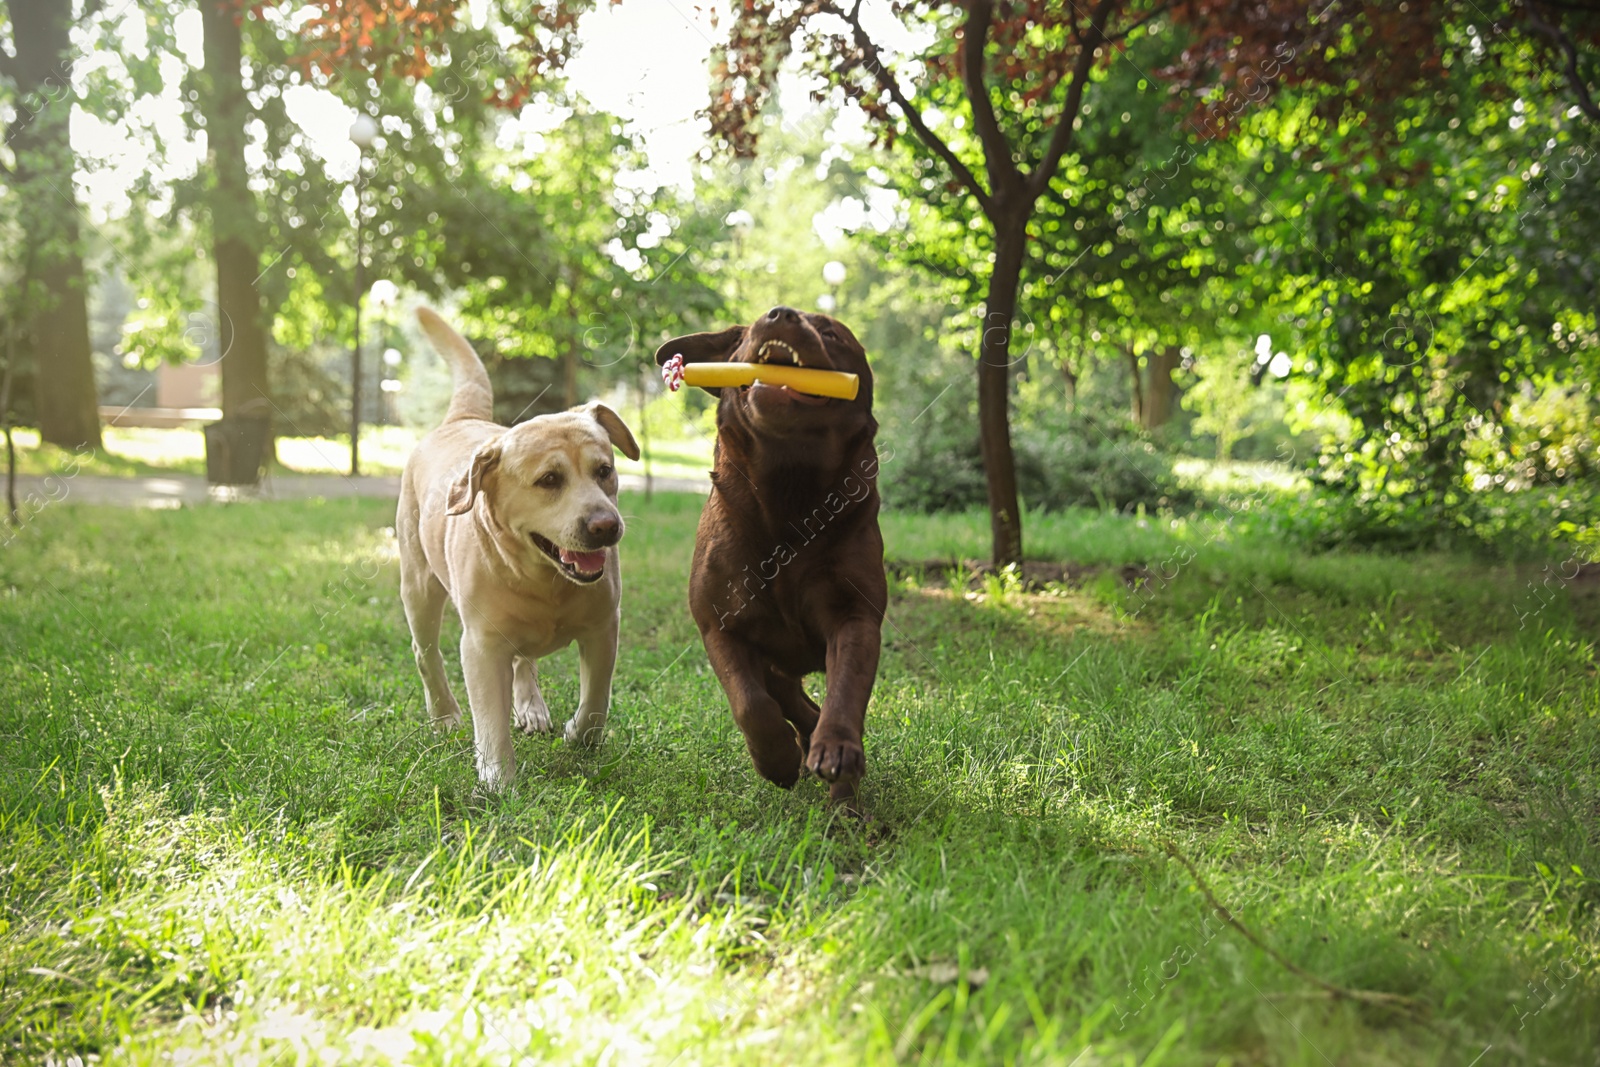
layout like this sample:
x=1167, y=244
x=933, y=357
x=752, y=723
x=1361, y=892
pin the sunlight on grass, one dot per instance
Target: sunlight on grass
x=383, y=451
x=672, y=459
x=134, y=450
x=370, y=549
x=1238, y=478
x=177, y=449
x=230, y=835
x=567, y=948
x=128, y=451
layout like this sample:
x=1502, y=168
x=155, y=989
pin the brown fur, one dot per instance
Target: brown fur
x=788, y=575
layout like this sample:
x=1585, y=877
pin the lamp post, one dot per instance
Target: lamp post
x=391, y=385
x=833, y=274
x=363, y=131
x=739, y=222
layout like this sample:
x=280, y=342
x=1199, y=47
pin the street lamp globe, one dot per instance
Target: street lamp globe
x=833, y=273
x=363, y=131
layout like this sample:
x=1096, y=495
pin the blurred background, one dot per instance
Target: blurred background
x=1367, y=306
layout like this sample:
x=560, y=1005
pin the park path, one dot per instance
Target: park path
x=188, y=490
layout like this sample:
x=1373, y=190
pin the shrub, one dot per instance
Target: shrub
x=932, y=461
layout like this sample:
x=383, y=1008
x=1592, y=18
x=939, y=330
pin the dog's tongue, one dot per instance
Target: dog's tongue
x=585, y=562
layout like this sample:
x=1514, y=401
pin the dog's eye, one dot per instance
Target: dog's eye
x=605, y=471
x=829, y=332
x=550, y=481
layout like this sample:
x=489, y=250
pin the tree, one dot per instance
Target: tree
x=235, y=227
x=281, y=231
x=1434, y=286
x=548, y=254
x=280, y=234
x=1371, y=56
x=1222, y=398
x=56, y=330
x=1015, y=73
x=980, y=64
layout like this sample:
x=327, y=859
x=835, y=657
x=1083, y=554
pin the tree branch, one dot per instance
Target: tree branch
x=1554, y=34
x=1003, y=173
x=885, y=78
x=1061, y=137
x=1123, y=34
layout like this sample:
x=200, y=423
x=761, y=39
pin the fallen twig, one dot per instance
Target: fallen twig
x=1337, y=992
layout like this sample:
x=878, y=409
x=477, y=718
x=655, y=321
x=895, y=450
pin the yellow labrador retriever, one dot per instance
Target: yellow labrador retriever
x=518, y=528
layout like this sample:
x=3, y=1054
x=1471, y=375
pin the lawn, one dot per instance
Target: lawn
x=228, y=835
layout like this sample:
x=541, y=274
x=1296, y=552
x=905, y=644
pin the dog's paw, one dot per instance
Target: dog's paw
x=496, y=777
x=589, y=736
x=780, y=766
x=495, y=758
x=834, y=759
x=845, y=799
x=532, y=718
x=445, y=719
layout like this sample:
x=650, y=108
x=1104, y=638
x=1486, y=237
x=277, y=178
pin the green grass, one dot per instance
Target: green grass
x=228, y=835
x=672, y=459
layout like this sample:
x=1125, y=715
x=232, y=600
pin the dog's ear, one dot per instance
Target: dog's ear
x=702, y=347
x=615, y=428
x=464, y=490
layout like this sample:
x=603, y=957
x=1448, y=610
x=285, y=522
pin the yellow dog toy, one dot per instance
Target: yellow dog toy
x=838, y=384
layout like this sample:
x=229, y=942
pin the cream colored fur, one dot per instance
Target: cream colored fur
x=474, y=500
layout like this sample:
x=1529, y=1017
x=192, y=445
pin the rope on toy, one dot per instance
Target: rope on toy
x=672, y=373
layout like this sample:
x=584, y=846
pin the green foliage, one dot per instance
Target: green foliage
x=1066, y=455
x=1433, y=286
x=1228, y=399
x=1434, y=283
x=1141, y=240
x=517, y=218
x=1528, y=523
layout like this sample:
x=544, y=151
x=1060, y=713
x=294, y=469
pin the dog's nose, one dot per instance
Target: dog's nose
x=782, y=314
x=603, y=529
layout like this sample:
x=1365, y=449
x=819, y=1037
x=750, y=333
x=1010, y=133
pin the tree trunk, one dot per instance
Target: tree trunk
x=1136, y=383
x=1159, y=389
x=570, y=357
x=65, y=400
x=1069, y=378
x=569, y=378
x=240, y=321
x=5, y=419
x=994, y=393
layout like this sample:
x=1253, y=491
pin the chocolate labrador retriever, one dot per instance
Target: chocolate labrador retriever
x=788, y=561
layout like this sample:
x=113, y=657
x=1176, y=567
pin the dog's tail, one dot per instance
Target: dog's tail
x=472, y=396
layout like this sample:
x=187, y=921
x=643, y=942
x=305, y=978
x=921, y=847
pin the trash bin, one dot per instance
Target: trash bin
x=236, y=450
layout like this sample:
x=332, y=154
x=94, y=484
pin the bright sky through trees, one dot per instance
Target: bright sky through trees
x=645, y=64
